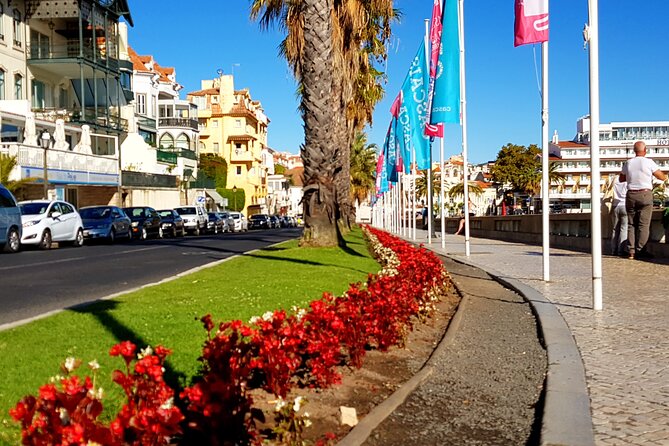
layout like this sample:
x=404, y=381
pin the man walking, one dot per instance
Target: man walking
x=639, y=172
x=619, y=218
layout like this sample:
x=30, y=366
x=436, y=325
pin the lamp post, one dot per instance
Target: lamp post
x=234, y=196
x=45, y=140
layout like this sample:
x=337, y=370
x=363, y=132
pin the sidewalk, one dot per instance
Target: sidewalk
x=624, y=348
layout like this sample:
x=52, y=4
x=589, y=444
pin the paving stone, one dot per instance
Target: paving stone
x=624, y=347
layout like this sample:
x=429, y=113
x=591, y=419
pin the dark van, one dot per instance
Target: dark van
x=10, y=221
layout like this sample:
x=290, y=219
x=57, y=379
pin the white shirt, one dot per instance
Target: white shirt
x=639, y=172
x=619, y=192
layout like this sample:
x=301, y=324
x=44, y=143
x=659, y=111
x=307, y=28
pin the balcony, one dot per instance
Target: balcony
x=184, y=123
x=63, y=166
x=146, y=123
x=164, y=156
x=74, y=115
x=179, y=153
x=242, y=156
x=66, y=53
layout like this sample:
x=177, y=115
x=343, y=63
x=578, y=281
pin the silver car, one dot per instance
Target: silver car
x=10, y=221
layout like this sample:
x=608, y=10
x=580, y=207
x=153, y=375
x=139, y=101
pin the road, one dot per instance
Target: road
x=36, y=282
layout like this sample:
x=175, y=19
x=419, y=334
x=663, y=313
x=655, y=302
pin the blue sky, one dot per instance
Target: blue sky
x=503, y=100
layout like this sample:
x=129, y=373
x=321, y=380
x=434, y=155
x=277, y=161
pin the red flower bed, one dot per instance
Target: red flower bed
x=274, y=353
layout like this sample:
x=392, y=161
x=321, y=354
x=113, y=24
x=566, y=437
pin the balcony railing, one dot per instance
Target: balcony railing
x=72, y=51
x=146, y=122
x=181, y=153
x=186, y=123
x=164, y=156
x=63, y=166
x=74, y=115
x=141, y=179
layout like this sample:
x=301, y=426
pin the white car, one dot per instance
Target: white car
x=46, y=221
x=195, y=218
x=241, y=224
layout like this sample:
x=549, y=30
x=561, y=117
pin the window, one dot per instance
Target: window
x=141, y=104
x=2, y=28
x=6, y=200
x=17, y=28
x=166, y=140
x=214, y=99
x=18, y=86
x=214, y=124
x=39, y=94
x=238, y=123
x=2, y=85
x=200, y=101
x=183, y=142
x=239, y=170
x=215, y=146
x=153, y=106
x=39, y=45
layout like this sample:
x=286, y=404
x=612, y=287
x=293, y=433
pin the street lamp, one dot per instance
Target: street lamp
x=45, y=140
x=234, y=196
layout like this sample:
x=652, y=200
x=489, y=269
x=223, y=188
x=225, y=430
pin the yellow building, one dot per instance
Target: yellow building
x=234, y=126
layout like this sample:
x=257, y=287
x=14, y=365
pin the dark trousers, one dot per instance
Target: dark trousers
x=639, y=207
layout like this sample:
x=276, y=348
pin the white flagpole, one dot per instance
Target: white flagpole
x=545, y=183
x=595, y=197
x=429, y=169
x=413, y=180
x=463, y=111
x=441, y=193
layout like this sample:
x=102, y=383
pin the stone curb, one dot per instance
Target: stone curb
x=359, y=434
x=567, y=418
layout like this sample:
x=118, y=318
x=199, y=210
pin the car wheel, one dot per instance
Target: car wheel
x=161, y=233
x=129, y=234
x=79, y=238
x=174, y=232
x=45, y=241
x=197, y=231
x=144, y=234
x=112, y=236
x=13, y=241
x=215, y=229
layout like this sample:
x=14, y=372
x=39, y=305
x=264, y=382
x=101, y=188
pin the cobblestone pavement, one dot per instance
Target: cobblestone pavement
x=625, y=347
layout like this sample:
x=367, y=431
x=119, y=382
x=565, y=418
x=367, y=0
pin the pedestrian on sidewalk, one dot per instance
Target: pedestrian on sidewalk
x=639, y=172
x=619, y=218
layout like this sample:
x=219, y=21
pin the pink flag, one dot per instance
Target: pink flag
x=435, y=38
x=397, y=103
x=531, y=22
x=435, y=130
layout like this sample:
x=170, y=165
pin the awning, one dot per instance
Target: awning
x=216, y=197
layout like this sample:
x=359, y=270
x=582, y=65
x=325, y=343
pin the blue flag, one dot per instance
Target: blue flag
x=413, y=112
x=382, y=173
x=390, y=148
x=446, y=96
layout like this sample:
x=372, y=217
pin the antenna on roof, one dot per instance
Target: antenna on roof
x=219, y=72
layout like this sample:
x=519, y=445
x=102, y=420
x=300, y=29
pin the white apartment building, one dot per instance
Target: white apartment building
x=616, y=146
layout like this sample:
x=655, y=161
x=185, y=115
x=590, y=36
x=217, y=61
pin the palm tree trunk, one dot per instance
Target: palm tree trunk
x=319, y=153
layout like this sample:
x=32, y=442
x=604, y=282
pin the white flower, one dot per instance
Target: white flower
x=64, y=416
x=254, y=320
x=297, y=404
x=94, y=365
x=148, y=351
x=268, y=316
x=307, y=422
x=57, y=378
x=70, y=364
x=168, y=404
x=280, y=404
x=96, y=394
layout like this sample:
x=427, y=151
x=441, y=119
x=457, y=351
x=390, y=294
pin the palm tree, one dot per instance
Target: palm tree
x=360, y=30
x=458, y=189
x=421, y=184
x=7, y=164
x=363, y=168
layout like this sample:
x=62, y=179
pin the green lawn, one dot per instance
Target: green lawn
x=278, y=277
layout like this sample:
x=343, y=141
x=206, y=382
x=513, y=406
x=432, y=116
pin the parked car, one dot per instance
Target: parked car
x=240, y=222
x=260, y=221
x=145, y=222
x=47, y=221
x=215, y=223
x=275, y=222
x=228, y=221
x=172, y=223
x=107, y=222
x=287, y=221
x=10, y=221
x=195, y=218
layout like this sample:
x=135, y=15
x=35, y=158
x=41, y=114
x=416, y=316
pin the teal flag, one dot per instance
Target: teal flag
x=446, y=96
x=413, y=112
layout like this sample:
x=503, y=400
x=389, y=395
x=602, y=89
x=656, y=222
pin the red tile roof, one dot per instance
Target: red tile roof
x=567, y=144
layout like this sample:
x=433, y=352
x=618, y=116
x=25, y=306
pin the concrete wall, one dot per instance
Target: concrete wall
x=567, y=231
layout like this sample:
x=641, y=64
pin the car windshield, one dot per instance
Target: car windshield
x=33, y=208
x=165, y=213
x=186, y=211
x=95, y=213
x=258, y=217
x=235, y=216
